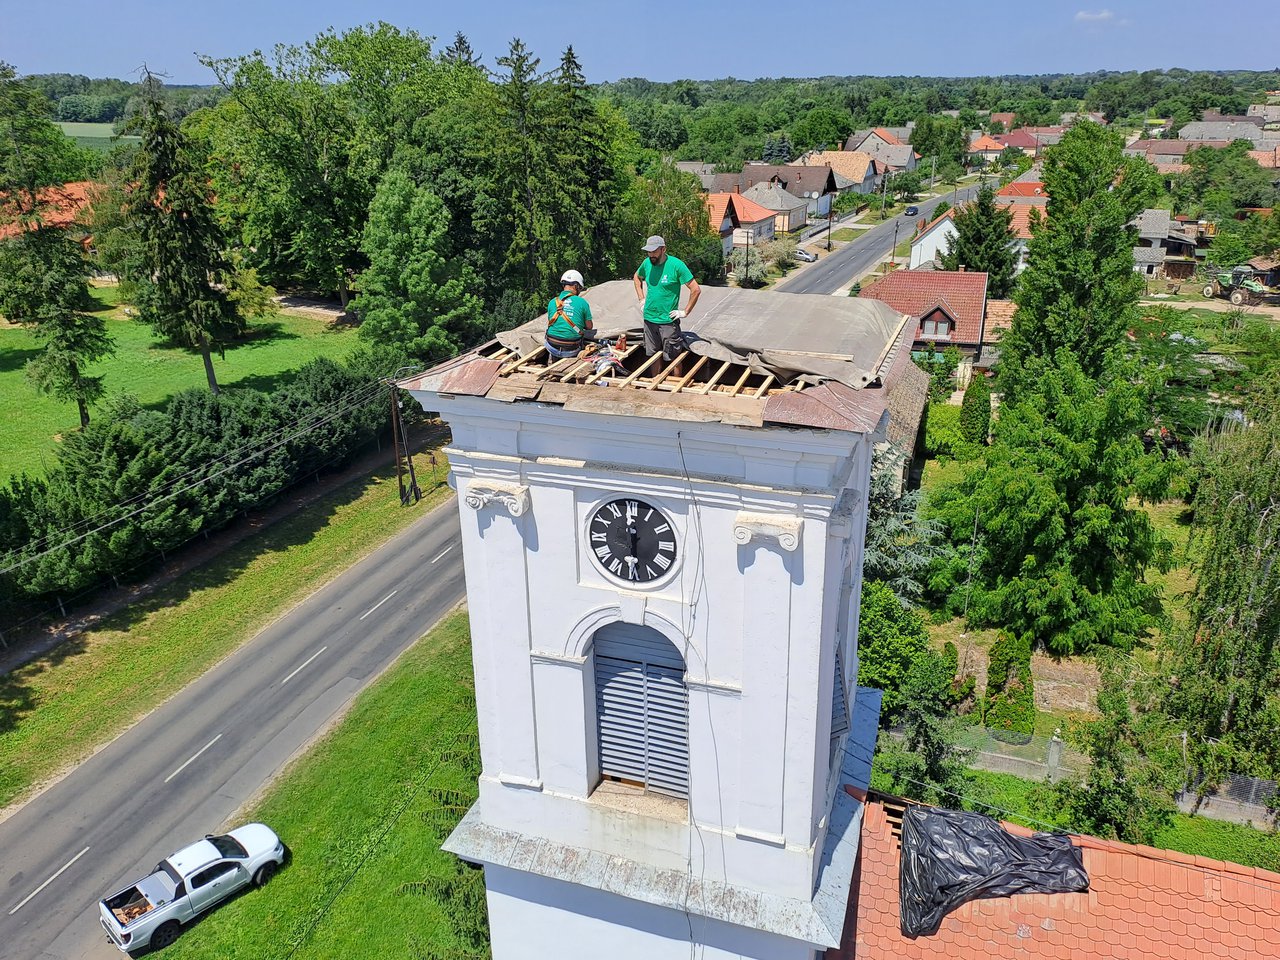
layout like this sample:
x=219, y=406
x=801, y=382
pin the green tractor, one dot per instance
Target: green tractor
x=1238, y=285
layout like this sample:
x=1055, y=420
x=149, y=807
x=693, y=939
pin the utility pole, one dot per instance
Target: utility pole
x=401, y=444
x=884, y=190
x=893, y=257
x=831, y=212
x=933, y=177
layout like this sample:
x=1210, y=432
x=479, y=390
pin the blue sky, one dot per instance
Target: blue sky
x=667, y=41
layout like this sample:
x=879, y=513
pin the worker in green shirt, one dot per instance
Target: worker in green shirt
x=658, y=281
x=568, y=318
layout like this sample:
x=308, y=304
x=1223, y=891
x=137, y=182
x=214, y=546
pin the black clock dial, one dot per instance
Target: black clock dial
x=632, y=540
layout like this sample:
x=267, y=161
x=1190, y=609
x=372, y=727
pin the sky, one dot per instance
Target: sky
x=669, y=41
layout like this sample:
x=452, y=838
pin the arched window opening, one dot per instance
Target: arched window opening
x=642, y=709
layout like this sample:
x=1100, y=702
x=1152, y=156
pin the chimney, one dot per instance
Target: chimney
x=960, y=269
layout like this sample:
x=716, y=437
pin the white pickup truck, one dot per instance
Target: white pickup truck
x=151, y=912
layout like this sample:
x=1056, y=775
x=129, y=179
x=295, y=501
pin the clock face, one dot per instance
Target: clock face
x=632, y=540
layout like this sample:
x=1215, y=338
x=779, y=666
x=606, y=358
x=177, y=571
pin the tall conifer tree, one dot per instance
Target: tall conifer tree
x=983, y=241
x=184, y=266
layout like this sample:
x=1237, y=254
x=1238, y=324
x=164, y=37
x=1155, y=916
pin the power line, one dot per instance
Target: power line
x=77, y=538
x=364, y=393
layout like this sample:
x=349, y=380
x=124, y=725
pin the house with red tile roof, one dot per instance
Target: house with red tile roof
x=933, y=239
x=949, y=308
x=1020, y=140
x=1031, y=191
x=987, y=147
x=739, y=220
x=60, y=206
x=1142, y=904
x=1004, y=119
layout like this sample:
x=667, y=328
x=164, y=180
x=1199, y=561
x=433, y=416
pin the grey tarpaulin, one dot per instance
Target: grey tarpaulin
x=950, y=858
x=770, y=331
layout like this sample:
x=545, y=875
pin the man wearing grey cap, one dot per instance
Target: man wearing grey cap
x=658, y=281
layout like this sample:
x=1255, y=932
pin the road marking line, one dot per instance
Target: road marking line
x=193, y=758
x=304, y=663
x=379, y=603
x=442, y=552
x=65, y=868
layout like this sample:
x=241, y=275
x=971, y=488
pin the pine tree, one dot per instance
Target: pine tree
x=1079, y=291
x=415, y=294
x=43, y=281
x=460, y=51
x=984, y=241
x=184, y=267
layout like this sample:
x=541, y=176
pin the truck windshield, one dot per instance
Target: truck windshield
x=228, y=847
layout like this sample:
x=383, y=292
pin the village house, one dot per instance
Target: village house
x=740, y=221
x=949, y=309
x=1165, y=248
x=1230, y=131
x=855, y=166
x=789, y=213
x=986, y=148
x=816, y=185
x=705, y=172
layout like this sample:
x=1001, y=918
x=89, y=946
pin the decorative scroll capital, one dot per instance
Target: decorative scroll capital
x=760, y=526
x=512, y=497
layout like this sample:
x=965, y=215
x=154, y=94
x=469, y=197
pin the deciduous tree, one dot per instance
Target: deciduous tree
x=415, y=294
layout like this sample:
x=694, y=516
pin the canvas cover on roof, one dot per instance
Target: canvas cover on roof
x=811, y=337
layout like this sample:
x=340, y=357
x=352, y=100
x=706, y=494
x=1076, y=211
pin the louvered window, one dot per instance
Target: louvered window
x=642, y=709
x=839, y=707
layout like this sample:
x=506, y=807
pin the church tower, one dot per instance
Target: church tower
x=663, y=564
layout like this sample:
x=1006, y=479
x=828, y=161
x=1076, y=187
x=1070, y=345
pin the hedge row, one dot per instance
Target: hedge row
x=137, y=482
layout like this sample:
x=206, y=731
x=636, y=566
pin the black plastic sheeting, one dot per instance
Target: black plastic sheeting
x=950, y=858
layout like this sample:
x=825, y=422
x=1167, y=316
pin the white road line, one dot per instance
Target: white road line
x=305, y=662
x=379, y=603
x=193, y=758
x=442, y=553
x=65, y=868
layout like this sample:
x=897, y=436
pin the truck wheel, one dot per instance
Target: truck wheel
x=165, y=934
x=1237, y=297
x=1208, y=290
x=265, y=873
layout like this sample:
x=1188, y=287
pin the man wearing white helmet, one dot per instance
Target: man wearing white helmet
x=568, y=318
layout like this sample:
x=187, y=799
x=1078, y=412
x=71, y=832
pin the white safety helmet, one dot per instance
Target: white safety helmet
x=573, y=276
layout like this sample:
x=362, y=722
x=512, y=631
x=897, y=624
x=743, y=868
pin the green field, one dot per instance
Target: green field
x=364, y=814
x=96, y=136
x=148, y=369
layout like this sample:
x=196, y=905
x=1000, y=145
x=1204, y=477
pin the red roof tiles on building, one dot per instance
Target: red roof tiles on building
x=887, y=137
x=748, y=210
x=918, y=292
x=1142, y=904
x=59, y=206
x=1029, y=188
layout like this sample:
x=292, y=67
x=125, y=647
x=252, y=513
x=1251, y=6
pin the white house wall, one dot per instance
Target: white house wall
x=532, y=916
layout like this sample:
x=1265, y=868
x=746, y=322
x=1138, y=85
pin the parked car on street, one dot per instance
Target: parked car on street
x=913, y=211
x=152, y=912
x=806, y=256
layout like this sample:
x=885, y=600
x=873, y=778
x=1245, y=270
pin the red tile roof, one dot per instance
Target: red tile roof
x=717, y=208
x=999, y=319
x=985, y=143
x=1020, y=222
x=1005, y=118
x=1029, y=188
x=748, y=210
x=887, y=137
x=1142, y=904
x=60, y=206
x=1018, y=138
x=917, y=292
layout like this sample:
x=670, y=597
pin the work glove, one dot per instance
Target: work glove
x=677, y=314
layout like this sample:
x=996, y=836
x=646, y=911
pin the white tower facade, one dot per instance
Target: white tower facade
x=663, y=584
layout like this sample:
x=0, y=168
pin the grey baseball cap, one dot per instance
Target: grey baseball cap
x=653, y=243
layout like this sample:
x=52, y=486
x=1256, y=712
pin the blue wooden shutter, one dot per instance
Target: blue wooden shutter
x=839, y=707
x=642, y=709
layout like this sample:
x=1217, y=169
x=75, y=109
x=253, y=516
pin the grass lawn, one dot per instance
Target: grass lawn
x=363, y=814
x=845, y=234
x=148, y=369
x=55, y=710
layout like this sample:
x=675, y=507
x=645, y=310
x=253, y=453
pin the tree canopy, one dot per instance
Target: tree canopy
x=984, y=241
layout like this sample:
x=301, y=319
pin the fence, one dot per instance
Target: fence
x=1238, y=799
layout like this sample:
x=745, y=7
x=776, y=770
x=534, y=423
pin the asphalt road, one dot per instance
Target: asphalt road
x=189, y=765
x=856, y=257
